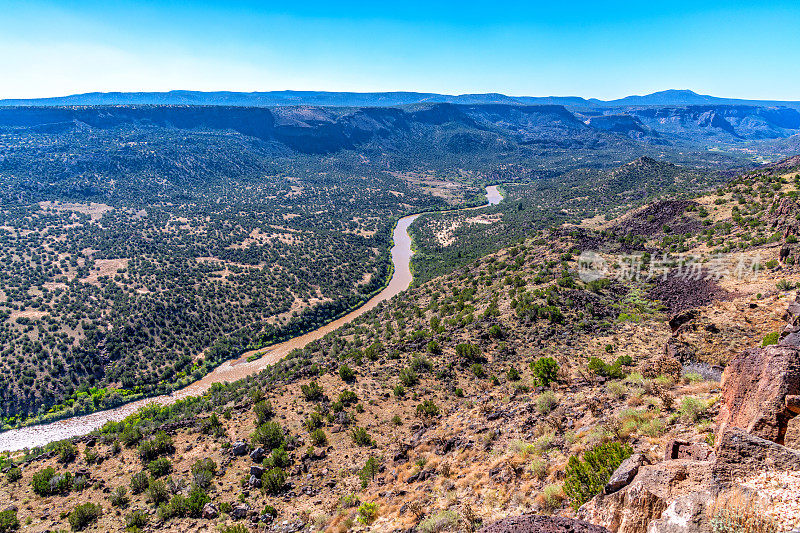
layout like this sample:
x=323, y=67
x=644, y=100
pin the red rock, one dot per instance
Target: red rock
x=754, y=389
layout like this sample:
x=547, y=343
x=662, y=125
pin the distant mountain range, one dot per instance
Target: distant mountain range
x=670, y=97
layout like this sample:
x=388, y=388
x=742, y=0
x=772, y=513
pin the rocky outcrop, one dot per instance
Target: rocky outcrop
x=740, y=454
x=755, y=386
x=647, y=498
x=541, y=524
x=674, y=496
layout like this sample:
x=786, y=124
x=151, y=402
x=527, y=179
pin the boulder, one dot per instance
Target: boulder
x=754, y=389
x=625, y=473
x=541, y=524
x=257, y=471
x=740, y=454
x=210, y=511
x=254, y=482
x=257, y=455
x=239, y=448
x=240, y=511
x=686, y=514
x=318, y=453
x=682, y=318
x=655, y=487
x=792, y=437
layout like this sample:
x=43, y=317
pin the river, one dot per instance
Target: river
x=39, y=435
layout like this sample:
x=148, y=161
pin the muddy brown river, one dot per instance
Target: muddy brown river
x=39, y=435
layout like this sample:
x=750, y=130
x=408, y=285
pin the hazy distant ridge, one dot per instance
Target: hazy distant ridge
x=380, y=99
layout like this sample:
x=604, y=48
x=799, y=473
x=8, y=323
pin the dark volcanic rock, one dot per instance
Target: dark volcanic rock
x=541, y=524
x=680, y=292
x=652, y=219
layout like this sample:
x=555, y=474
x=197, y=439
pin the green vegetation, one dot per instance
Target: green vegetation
x=84, y=515
x=587, y=475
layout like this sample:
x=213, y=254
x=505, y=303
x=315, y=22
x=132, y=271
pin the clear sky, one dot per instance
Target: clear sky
x=604, y=49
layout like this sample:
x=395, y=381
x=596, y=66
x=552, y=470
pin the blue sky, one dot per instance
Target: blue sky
x=604, y=49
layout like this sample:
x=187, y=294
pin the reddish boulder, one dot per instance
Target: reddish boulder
x=541, y=524
x=754, y=387
x=655, y=487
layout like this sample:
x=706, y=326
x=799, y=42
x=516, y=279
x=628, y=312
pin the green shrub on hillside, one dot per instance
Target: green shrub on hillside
x=586, y=476
x=8, y=521
x=82, y=515
x=545, y=370
x=771, y=338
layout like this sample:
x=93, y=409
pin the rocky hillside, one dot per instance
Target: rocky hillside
x=620, y=377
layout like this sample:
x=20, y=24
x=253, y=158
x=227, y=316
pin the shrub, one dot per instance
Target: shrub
x=421, y=364
x=546, y=402
x=139, y=482
x=408, y=377
x=157, y=491
x=136, y=519
x=771, y=338
x=447, y=520
x=512, y=374
x=539, y=468
x=477, y=369
x=90, y=456
x=8, y=521
x=312, y=392
x=601, y=368
x=399, y=391
x=736, y=513
x=434, y=348
x=586, y=477
x=195, y=501
x=203, y=472
x=278, y=458
x=469, y=353
x=545, y=370
x=346, y=373
x=14, y=474
x=369, y=471
x=318, y=437
x=82, y=515
x=269, y=435
x=159, y=467
x=427, y=409
x=347, y=397
x=367, y=513
x=264, y=412
x=43, y=481
x=66, y=451
x=235, y=528
x=273, y=480
x=551, y=497
x=361, y=437
x=119, y=498
x=692, y=409
x=314, y=420
x=160, y=444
